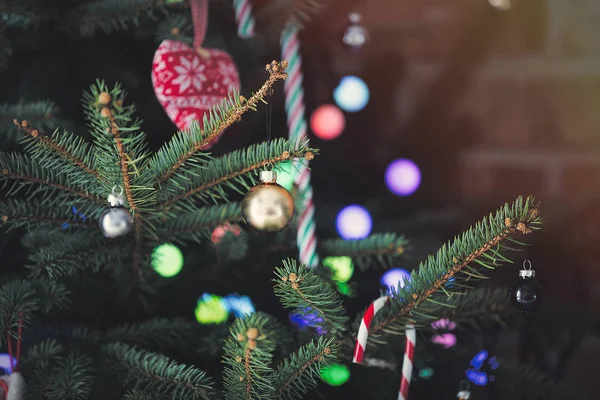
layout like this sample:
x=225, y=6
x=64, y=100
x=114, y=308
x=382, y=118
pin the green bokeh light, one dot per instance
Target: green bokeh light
x=342, y=267
x=167, y=260
x=211, y=310
x=335, y=375
x=285, y=174
x=343, y=288
x=425, y=373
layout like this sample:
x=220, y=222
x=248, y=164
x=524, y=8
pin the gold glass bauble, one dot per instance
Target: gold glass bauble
x=268, y=207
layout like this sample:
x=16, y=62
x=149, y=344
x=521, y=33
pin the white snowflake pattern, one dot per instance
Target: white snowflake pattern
x=188, y=119
x=230, y=75
x=191, y=73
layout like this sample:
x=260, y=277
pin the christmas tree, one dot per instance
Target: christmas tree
x=95, y=314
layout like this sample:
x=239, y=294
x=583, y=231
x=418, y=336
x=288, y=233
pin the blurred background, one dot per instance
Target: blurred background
x=486, y=99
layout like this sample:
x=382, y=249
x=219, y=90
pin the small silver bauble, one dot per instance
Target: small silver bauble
x=356, y=35
x=268, y=207
x=116, y=220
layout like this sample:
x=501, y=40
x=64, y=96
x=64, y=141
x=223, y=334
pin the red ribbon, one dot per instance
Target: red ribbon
x=200, y=20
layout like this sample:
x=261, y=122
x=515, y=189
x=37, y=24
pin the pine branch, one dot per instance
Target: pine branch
x=33, y=213
x=479, y=308
x=17, y=304
x=186, y=145
x=303, y=290
x=33, y=178
x=466, y=258
x=384, y=247
x=208, y=182
x=70, y=147
x=75, y=252
x=198, y=225
x=43, y=113
x=158, y=373
x=51, y=294
x=135, y=394
x=71, y=378
x=41, y=355
x=113, y=15
x=106, y=113
x=247, y=358
x=300, y=372
x=157, y=332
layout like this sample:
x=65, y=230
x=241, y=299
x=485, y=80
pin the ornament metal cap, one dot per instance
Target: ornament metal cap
x=268, y=176
x=526, y=273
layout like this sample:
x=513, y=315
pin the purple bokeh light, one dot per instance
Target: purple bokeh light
x=446, y=339
x=402, y=177
x=394, y=277
x=354, y=222
x=443, y=323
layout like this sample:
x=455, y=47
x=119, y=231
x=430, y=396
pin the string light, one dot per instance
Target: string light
x=167, y=260
x=211, y=309
x=335, y=375
x=327, y=122
x=395, y=278
x=352, y=94
x=402, y=177
x=354, y=222
x=342, y=267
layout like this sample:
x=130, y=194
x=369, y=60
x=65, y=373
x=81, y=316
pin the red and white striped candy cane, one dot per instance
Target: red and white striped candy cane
x=243, y=18
x=409, y=350
x=294, y=108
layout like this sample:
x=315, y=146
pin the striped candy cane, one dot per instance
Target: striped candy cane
x=409, y=351
x=294, y=107
x=243, y=18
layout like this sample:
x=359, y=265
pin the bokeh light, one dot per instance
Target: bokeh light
x=354, y=222
x=426, y=373
x=476, y=375
x=5, y=363
x=220, y=231
x=443, y=323
x=167, y=260
x=402, y=177
x=502, y=5
x=307, y=318
x=352, y=94
x=335, y=375
x=285, y=174
x=445, y=339
x=343, y=288
x=327, y=122
x=240, y=306
x=211, y=309
x=342, y=267
x=394, y=277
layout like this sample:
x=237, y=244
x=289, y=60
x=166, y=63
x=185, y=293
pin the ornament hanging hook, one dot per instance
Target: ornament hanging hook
x=269, y=166
x=114, y=190
x=525, y=263
x=464, y=385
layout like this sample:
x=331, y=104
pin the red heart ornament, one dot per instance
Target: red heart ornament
x=188, y=85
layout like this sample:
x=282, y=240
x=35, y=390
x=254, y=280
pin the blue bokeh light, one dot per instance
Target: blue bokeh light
x=5, y=363
x=240, y=306
x=478, y=377
x=352, y=94
x=307, y=318
x=395, y=278
x=354, y=222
